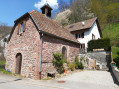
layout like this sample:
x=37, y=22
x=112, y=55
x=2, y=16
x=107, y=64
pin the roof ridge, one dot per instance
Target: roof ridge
x=32, y=11
x=79, y=26
x=52, y=28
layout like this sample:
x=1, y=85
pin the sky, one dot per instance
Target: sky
x=10, y=10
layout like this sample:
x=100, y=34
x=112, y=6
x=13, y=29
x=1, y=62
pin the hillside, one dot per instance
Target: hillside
x=112, y=32
x=4, y=30
x=63, y=17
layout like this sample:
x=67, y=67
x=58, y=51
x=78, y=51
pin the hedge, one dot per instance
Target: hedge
x=99, y=44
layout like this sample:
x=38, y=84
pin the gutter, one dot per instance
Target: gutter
x=41, y=37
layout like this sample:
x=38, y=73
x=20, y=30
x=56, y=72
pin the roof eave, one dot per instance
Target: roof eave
x=26, y=14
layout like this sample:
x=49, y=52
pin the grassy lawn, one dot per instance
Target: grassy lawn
x=111, y=31
x=2, y=68
x=115, y=52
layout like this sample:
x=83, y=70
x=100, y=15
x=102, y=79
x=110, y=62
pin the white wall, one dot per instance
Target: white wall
x=88, y=35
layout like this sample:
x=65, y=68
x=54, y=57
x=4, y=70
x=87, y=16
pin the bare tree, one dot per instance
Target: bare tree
x=63, y=5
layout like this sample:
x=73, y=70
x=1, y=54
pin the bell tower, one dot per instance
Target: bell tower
x=46, y=9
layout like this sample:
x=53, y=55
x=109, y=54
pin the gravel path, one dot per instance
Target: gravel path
x=91, y=80
x=78, y=80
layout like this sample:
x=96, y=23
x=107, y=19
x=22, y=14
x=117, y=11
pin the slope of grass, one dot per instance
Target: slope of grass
x=115, y=52
x=111, y=32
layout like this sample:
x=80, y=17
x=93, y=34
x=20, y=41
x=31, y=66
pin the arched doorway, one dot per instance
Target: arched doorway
x=64, y=53
x=18, y=63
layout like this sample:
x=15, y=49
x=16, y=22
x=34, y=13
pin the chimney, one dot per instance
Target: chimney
x=46, y=9
x=83, y=23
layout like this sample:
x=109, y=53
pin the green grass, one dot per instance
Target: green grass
x=2, y=68
x=111, y=31
x=115, y=52
x=2, y=62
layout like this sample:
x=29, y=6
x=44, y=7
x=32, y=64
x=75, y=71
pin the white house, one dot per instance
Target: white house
x=85, y=31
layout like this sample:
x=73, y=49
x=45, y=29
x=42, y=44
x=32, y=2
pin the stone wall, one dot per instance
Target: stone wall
x=52, y=45
x=116, y=73
x=29, y=45
x=102, y=58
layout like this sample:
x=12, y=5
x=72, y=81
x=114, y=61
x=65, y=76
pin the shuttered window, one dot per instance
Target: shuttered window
x=21, y=27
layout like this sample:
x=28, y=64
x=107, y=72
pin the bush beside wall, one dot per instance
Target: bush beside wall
x=99, y=44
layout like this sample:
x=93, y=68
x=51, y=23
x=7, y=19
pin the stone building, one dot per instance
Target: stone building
x=33, y=41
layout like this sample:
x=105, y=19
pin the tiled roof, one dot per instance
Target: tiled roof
x=51, y=27
x=79, y=26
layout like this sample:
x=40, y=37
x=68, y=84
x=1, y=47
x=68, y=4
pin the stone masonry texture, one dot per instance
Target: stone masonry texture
x=29, y=45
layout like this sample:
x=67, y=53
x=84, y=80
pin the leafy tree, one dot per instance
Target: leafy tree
x=80, y=11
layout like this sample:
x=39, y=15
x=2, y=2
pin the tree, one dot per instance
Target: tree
x=63, y=5
x=106, y=10
x=80, y=11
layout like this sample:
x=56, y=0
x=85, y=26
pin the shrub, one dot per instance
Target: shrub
x=77, y=63
x=98, y=44
x=116, y=60
x=81, y=65
x=58, y=62
x=72, y=66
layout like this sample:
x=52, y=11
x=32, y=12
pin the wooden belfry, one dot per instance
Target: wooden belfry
x=46, y=9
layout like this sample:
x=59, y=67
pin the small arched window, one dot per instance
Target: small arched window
x=64, y=53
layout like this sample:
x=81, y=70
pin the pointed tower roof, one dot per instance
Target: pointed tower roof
x=46, y=5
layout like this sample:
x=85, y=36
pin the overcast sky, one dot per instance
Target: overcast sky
x=10, y=10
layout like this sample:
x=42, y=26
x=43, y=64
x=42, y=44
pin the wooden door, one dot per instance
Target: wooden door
x=18, y=63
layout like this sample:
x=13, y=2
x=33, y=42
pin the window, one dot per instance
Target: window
x=82, y=46
x=71, y=26
x=93, y=36
x=76, y=35
x=64, y=53
x=21, y=27
x=79, y=35
x=82, y=35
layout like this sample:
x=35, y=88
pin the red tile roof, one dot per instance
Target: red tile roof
x=51, y=27
x=79, y=26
